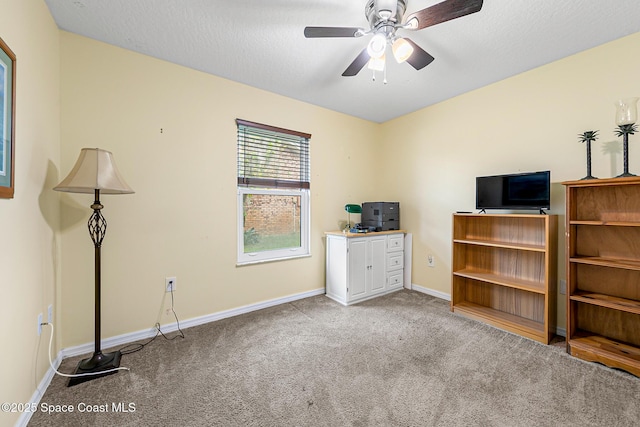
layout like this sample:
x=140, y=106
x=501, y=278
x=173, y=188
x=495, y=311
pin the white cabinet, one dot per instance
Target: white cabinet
x=360, y=267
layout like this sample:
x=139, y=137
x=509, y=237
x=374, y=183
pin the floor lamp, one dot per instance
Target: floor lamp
x=95, y=172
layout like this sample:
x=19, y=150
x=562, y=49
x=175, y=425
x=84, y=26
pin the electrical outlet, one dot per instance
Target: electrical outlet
x=167, y=312
x=563, y=287
x=431, y=262
x=170, y=283
x=50, y=313
x=39, y=324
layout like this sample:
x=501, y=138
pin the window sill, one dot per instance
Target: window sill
x=262, y=261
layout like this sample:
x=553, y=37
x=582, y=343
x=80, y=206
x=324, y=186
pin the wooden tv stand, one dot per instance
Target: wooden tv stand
x=504, y=272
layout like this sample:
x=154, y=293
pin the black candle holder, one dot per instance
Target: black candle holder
x=588, y=137
x=624, y=131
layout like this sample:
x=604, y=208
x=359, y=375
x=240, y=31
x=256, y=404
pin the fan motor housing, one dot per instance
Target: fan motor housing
x=374, y=19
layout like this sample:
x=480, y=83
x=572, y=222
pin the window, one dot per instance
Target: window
x=273, y=193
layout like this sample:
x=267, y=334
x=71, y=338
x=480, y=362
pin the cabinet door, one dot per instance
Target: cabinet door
x=377, y=264
x=357, y=269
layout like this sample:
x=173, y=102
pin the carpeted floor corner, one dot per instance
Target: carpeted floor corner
x=399, y=360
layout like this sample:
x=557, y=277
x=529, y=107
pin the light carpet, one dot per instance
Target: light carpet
x=399, y=360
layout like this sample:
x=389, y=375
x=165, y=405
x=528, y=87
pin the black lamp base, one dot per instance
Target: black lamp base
x=96, y=365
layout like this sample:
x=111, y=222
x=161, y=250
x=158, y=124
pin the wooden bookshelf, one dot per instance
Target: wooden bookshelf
x=504, y=272
x=603, y=271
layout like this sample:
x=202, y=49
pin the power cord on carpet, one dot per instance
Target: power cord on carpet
x=122, y=368
x=123, y=350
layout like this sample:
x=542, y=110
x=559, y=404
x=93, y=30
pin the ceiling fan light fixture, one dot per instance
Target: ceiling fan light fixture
x=377, y=46
x=402, y=50
x=376, y=64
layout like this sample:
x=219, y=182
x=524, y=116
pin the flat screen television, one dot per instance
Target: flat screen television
x=529, y=190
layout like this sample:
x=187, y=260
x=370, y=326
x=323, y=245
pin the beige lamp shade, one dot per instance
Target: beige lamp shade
x=94, y=170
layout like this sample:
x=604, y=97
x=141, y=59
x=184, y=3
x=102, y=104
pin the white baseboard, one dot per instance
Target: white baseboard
x=431, y=292
x=42, y=387
x=172, y=327
x=148, y=333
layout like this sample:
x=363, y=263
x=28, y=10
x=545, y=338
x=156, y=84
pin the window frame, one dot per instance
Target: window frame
x=275, y=254
x=275, y=185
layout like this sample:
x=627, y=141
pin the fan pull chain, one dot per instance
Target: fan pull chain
x=384, y=75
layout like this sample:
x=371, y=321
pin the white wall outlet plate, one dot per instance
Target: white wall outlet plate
x=170, y=284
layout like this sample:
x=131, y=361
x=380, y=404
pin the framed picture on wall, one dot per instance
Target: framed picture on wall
x=7, y=113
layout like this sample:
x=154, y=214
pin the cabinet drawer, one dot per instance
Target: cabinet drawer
x=395, y=279
x=396, y=243
x=395, y=261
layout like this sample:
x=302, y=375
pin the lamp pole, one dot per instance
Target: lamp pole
x=99, y=362
x=97, y=229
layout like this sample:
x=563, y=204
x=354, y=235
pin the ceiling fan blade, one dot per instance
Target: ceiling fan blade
x=357, y=64
x=315, y=32
x=419, y=58
x=442, y=12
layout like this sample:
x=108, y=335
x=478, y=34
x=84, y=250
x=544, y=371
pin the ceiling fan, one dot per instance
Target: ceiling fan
x=385, y=18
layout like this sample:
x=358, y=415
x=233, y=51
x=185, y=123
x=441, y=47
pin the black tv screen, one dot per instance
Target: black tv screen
x=530, y=190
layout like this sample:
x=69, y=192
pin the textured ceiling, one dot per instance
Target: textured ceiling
x=261, y=44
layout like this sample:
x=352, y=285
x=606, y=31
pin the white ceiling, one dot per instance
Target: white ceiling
x=261, y=43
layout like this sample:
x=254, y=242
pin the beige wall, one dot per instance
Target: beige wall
x=529, y=122
x=29, y=221
x=182, y=219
